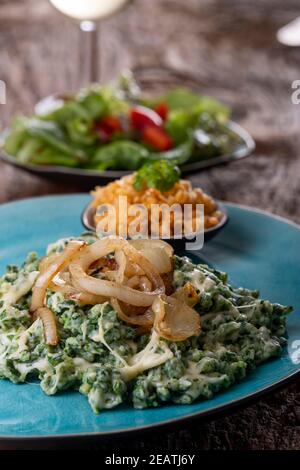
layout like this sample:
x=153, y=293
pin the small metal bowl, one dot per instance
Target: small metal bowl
x=88, y=215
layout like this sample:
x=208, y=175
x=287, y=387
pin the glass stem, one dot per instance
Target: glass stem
x=90, y=49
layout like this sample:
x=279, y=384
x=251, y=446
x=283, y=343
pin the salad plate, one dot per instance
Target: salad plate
x=105, y=132
x=87, y=178
x=244, y=249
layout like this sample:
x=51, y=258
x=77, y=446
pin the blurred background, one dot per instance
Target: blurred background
x=225, y=48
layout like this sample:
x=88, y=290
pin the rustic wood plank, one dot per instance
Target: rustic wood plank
x=225, y=48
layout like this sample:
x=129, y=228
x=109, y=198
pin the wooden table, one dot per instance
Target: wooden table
x=226, y=48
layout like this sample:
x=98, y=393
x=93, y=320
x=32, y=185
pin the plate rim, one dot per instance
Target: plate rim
x=198, y=415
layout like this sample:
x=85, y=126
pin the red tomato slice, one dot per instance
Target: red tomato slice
x=106, y=127
x=157, y=138
x=142, y=117
x=111, y=123
x=162, y=109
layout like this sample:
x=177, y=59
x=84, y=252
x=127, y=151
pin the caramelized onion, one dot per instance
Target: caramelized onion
x=187, y=294
x=145, y=284
x=174, y=320
x=148, y=243
x=144, y=319
x=49, y=323
x=133, y=269
x=84, y=298
x=47, y=261
x=45, y=277
x=158, y=252
x=121, y=262
x=135, y=282
x=101, y=248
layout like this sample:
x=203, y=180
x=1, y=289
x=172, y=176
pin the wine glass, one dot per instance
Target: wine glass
x=88, y=13
x=289, y=35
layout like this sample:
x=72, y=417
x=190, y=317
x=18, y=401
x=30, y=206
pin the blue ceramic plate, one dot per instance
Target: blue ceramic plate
x=256, y=249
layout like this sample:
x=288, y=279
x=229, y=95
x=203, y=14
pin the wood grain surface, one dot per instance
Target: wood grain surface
x=226, y=48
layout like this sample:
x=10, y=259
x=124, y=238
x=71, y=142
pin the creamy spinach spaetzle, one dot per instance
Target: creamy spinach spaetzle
x=151, y=359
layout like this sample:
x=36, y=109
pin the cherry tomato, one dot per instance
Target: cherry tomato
x=106, y=127
x=157, y=138
x=111, y=123
x=162, y=109
x=142, y=117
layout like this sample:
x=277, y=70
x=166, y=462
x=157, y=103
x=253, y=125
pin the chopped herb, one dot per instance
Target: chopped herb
x=160, y=174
